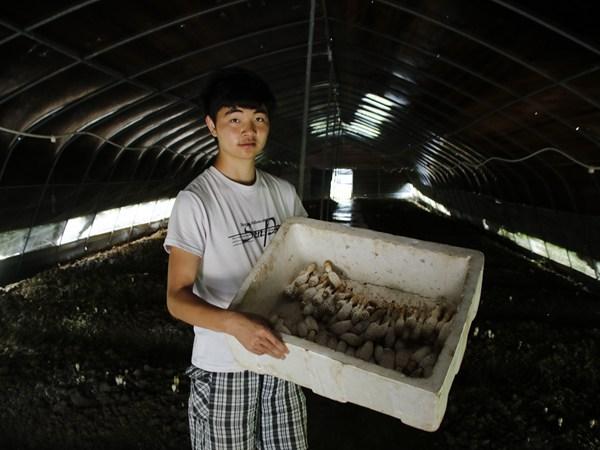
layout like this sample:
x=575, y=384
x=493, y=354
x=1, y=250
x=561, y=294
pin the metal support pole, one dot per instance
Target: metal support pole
x=311, y=29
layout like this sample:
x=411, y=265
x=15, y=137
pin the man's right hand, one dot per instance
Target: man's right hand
x=255, y=336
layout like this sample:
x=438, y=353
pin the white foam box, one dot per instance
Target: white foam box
x=436, y=271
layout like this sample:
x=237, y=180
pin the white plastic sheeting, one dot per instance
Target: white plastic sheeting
x=16, y=242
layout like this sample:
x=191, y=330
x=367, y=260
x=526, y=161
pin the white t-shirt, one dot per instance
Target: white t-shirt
x=229, y=225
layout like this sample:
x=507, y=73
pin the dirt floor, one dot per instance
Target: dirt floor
x=89, y=357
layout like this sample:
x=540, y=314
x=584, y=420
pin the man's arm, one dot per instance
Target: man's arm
x=184, y=305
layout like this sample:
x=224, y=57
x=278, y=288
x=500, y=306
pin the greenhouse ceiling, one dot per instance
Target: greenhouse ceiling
x=98, y=99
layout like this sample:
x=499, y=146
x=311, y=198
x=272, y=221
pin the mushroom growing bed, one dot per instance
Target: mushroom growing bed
x=365, y=271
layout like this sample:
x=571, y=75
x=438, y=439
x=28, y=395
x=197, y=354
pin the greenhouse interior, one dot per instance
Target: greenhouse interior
x=473, y=125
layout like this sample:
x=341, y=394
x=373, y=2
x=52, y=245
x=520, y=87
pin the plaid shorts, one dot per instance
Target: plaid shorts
x=245, y=410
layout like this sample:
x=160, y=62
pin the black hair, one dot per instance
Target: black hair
x=236, y=87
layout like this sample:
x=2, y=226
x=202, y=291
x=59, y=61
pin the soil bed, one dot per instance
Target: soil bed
x=90, y=358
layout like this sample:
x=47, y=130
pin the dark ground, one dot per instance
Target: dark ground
x=89, y=357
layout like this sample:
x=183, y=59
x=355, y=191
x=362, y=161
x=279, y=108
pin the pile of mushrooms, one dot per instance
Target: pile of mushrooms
x=402, y=337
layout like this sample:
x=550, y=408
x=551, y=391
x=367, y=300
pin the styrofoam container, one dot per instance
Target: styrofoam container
x=444, y=273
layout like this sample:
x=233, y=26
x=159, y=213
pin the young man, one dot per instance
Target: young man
x=220, y=224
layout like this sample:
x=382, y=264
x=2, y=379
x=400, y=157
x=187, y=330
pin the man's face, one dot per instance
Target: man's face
x=241, y=132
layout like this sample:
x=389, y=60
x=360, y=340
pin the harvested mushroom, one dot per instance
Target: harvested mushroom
x=448, y=314
x=280, y=326
x=305, y=274
x=427, y=371
x=334, y=278
x=417, y=372
x=345, y=310
x=402, y=358
x=420, y=353
x=428, y=360
x=341, y=346
x=327, y=306
x=311, y=323
x=332, y=342
x=343, y=295
x=360, y=311
x=399, y=325
x=389, y=339
x=360, y=327
x=444, y=333
x=341, y=327
x=313, y=280
x=290, y=290
x=365, y=351
x=431, y=322
x=308, y=309
x=375, y=331
x=322, y=337
x=377, y=353
x=410, y=367
x=409, y=324
x=352, y=339
x=387, y=358
x=415, y=334
x=377, y=315
x=302, y=329
x=309, y=294
x=399, y=345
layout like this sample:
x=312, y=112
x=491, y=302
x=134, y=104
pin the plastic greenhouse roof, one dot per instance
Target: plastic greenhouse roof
x=437, y=91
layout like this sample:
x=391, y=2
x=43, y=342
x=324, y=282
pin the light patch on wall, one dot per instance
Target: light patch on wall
x=553, y=252
x=77, y=228
x=413, y=195
x=581, y=265
x=356, y=127
x=372, y=111
x=403, y=76
x=558, y=254
x=534, y=244
x=83, y=227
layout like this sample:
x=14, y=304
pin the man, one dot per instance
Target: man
x=219, y=226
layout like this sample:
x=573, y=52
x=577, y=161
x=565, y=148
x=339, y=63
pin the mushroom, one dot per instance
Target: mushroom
x=365, y=351
x=360, y=312
x=308, y=309
x=334, y=278
x=309, y=294
x=401, y=359
x=389, y=339
x=387, y=358
x=322, y=337
x=311, y=323
x=420, y=353
x=431, y=322
x=399, y=325
x=280, y=326
x=313, y=280
x=360, y=327
x=332, y=342
x=415, y=334
x=345, y=310
x=352, y=339
x=302, y=329
x=341, y=346
x=303, y=277
x=341, y=327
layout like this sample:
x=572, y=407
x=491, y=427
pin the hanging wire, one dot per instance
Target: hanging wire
x=53, y=138
x=590, y=168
